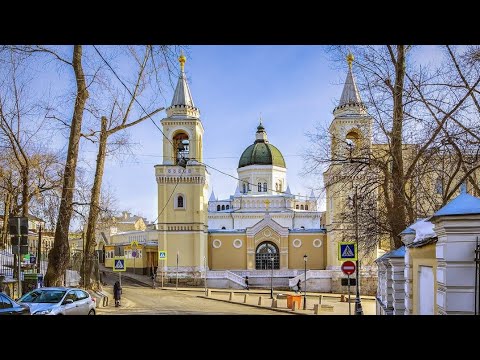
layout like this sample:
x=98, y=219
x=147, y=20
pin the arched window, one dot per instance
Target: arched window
x=223, y=207
x=227, y=207
x=264, y=187
x=218, y=207
x=180, y=201
x=296, y=207
x=267, y=254
x=259, y=187
x=301, y=207
x=244, y=188
x=306, y=207
x=180, y=149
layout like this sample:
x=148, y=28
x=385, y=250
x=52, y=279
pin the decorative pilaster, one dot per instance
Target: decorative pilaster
x=398, y=285
x=408, y=277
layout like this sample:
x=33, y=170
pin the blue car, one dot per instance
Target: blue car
x=9, y=307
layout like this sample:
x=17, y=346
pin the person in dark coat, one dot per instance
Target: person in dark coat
x=117, y=292
x=299, y=289
x=246, y=283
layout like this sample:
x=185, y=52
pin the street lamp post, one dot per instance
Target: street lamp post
x=358, y=303
x=305, y=286
x=271, y=279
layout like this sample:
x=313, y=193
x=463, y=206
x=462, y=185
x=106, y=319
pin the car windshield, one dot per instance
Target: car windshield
x=43, y=296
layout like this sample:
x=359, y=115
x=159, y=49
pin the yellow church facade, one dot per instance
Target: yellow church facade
x=262, y=230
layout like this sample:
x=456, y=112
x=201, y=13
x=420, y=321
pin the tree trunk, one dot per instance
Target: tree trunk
x=60, y=254
x=6, y=215
x=25, y=174
x=89, y=251
x=398, y=216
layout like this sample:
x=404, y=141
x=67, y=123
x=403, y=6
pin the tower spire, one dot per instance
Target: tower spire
x=182, y=102
x=350, y=98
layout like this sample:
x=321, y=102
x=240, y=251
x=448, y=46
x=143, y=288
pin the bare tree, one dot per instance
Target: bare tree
x=425, y=133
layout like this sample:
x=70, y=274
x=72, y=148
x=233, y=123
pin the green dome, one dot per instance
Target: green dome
x=261, y=153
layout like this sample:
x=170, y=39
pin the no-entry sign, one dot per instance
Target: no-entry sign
x=348, y=267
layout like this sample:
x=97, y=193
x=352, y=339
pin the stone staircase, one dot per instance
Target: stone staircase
x=311, y=274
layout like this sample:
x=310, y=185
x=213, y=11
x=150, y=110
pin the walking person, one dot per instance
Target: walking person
x=298, y=289
x=246, y=283
x=117, y=292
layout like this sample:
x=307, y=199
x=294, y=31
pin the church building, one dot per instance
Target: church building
x=262, y=231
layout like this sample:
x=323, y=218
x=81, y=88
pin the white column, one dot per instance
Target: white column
x=455, y=255
x=389, y=289
x=408, y=283
x=382, y=286
x=398, y=285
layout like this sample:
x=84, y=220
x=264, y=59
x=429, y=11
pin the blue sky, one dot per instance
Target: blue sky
x=293, y=87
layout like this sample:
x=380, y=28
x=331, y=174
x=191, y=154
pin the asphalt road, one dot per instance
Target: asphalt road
x=139, y=299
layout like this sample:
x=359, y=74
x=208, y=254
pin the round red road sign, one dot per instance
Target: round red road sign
x=348, y=267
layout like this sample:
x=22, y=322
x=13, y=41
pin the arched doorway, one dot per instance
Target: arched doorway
x=263, y=256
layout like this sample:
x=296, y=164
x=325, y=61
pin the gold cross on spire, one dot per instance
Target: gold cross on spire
x=181, y=60
x=267, y=203
x=350, y=59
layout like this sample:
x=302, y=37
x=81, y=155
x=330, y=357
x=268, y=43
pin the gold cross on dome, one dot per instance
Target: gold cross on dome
x=267, y=203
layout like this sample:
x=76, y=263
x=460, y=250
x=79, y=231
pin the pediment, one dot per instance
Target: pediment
x=267, y=222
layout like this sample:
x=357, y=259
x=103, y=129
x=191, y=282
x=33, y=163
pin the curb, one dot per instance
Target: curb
x=255, y=306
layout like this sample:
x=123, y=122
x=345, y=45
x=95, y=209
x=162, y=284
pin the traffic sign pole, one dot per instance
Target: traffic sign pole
x=19, y=258
x=349, y=307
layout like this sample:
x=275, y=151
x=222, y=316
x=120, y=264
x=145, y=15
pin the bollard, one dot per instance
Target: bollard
x=293, y=305
x=231, y=296
x=274, y=303
x=320, y=299
x=245, y=298
x=259, y=300
x=209, y=293
x=315, y=308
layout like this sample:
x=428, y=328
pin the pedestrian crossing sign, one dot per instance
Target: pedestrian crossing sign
x=119, y=264
x=347, y=251
x=162, y=255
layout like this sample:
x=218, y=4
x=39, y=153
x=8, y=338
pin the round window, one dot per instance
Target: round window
x=237, y=243
x=216, y=243
x=317, y=243
x=297, y=243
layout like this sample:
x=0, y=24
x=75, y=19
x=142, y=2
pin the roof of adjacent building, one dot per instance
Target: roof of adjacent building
x=261, y=152
x=463, y=204
x=397, y=253
x=409, y=229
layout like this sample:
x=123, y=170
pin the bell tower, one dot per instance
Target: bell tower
x=182, y=181
x=351, y=137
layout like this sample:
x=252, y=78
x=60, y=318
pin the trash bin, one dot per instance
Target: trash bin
x=292, y=298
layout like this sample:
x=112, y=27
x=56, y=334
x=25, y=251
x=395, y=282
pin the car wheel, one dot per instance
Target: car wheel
x=91, y=312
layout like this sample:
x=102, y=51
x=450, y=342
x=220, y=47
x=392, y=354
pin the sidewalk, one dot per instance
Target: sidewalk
x=223, y=295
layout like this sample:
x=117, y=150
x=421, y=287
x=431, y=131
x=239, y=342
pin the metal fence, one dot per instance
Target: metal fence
x=37, y=262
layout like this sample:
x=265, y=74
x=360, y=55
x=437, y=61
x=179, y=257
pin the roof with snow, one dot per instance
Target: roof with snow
x=411, y=228
x=463, y=204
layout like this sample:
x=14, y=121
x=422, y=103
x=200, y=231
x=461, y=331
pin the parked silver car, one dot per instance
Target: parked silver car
x=59, y=301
